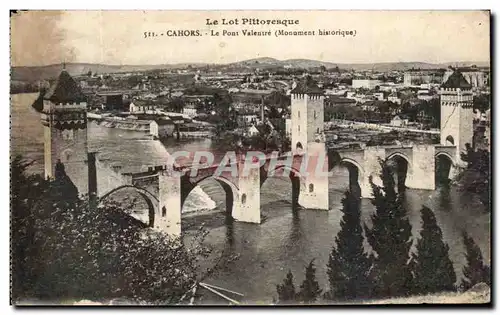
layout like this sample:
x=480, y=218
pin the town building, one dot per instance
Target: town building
x=365, y=83
x=139, y=106
x=246, y=118
x=415, y=77
x=334, y=100
x=190, y=110
x=426, y=95
x=252, y=131
x=399, y=121
x=162, y=128
x=393, y=97
x=379, y=96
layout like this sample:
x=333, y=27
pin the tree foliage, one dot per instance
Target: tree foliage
x=65, y=250
x=476, y=271
x=278, y=99
x=433, y=269
x=481, y=102
x=309, y=289
x=479, y=172
x=348, y=265
x=286, y=290
x=390, y=238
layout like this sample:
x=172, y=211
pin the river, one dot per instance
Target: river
x=283, y=241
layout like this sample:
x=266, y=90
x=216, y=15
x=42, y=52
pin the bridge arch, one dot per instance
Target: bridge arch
x=400, y=155
x=356, y=173
x=147, y=196
x=444, y=163
x=403, y=165
x=352, y=162
x=231, y=191
x=447, y=155
x=293, y=174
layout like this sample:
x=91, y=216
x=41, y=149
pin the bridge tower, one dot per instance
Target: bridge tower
x=64, y=117
x=456, y=112
x=307, y=123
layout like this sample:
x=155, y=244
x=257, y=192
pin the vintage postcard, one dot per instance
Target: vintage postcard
x=250, y=157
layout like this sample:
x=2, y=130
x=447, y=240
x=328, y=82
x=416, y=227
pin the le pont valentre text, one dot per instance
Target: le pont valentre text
x=252, y=21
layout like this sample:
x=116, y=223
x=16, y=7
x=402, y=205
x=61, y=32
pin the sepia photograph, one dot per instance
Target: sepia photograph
x=272, y=157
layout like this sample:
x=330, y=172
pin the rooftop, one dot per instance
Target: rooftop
x=64, y=90
x=456, y=80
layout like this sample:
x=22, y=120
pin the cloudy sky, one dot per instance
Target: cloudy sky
x=117, y=37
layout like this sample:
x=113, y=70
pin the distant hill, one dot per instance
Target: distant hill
x=383, y=66
x=52, y=71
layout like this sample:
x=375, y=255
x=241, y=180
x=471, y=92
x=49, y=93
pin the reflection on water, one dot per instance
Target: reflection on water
x=286, y=239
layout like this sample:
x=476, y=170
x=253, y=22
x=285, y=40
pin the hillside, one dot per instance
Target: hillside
x=51, y=71
x=383, y=66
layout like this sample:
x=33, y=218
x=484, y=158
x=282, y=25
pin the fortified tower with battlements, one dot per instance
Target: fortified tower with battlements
x=307, y=121
x=64, y=119
x=456, y=112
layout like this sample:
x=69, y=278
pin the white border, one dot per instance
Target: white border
x=199, y=5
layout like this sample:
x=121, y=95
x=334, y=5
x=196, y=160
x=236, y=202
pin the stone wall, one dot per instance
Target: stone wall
x=421, y=175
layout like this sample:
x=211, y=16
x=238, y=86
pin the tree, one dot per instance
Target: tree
x=481, y=102
x=476, y=271
x=479, y=173
x=309, y=289
x=348, y=265
x=278, y=99
x=63, y=249
x=390, y=238
x=222, y=102
x=286, y=291
x=134, y=80
x=176, y=104
x=25, y=191
x=433, y=269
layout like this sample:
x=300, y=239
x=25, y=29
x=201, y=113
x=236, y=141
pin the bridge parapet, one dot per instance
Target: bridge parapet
x=109, y=177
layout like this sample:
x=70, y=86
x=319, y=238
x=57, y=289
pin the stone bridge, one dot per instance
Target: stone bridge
x=165, y=188
x=416, y=164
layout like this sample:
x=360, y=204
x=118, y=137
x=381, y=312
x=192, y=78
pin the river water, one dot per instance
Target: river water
x=284, y=240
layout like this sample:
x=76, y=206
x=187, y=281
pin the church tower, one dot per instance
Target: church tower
x=64, y=117
x=456, y=112
x=307, y=124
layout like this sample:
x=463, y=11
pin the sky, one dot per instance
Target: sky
x=117, y=37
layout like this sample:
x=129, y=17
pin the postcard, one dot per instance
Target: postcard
x=250, y=157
